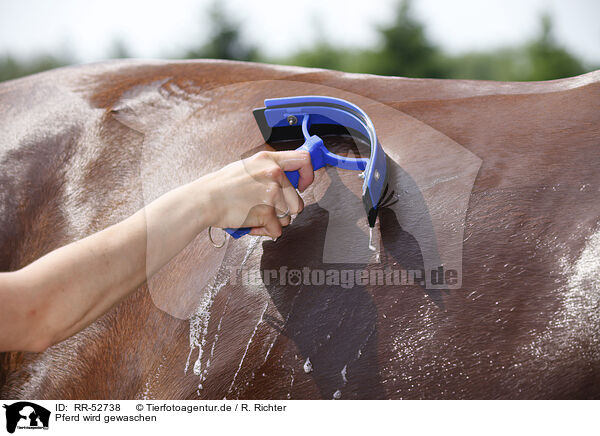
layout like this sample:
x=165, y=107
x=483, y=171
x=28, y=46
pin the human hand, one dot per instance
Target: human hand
x=254, y=191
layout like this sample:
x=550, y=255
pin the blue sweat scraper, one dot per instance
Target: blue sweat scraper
x=296, y=117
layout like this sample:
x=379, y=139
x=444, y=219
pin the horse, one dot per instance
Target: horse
x=485, y=279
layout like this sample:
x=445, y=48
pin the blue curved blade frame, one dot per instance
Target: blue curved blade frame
x=324, y=111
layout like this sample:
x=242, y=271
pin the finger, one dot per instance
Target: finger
x=285, y=221
x=296, y=160
x=262, y=231
x=276, y=197
x=259, y=231
x=293, y=201
x=273, y=226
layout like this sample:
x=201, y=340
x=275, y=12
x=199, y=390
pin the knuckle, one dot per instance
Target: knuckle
x=261, y=155
x=275, y=172
x=264, y=213
x=272, y=194
x=305, y=155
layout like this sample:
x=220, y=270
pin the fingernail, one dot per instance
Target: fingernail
x=274, y=239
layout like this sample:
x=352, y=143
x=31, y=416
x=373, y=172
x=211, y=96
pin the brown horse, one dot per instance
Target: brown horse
x=496, y=187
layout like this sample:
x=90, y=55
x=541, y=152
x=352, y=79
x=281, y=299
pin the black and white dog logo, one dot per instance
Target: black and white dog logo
x=26, y=415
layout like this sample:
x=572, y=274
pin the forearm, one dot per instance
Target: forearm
x=64, y=291
x=107, y=266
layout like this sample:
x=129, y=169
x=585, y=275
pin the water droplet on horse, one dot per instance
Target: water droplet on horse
x=371, y=246
x=308, y=366
x=198, y=367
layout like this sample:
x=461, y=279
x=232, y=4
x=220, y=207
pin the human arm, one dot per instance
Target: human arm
x=68, y=288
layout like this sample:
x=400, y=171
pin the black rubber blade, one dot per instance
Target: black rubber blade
x=287, y=133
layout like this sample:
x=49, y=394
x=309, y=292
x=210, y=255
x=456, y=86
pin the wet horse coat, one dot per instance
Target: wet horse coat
x=82, y=148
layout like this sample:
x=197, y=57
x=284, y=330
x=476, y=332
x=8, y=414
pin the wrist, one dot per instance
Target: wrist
x=207, y=205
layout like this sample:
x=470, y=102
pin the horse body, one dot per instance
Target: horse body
x=82, y=148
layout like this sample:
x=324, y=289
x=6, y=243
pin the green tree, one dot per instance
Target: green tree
x=509, y=63
x=406, y=49
x=322, y=55
x=542, y=58
x=547, y=59
x=225, y=40
x=119, y=49
x=12, y=68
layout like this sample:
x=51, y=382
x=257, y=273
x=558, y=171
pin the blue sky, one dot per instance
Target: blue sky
x=151, y=29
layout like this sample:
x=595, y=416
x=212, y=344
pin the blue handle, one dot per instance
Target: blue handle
x=319, y=157
x=293, y=177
